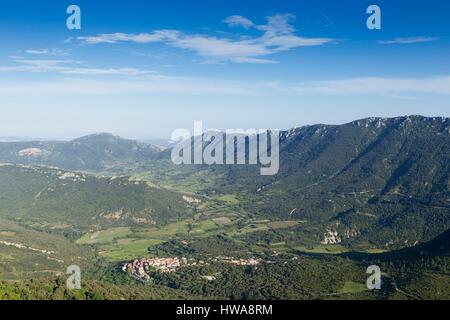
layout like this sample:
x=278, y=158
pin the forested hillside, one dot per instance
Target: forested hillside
x=71, y=200
x=382, y=181
x=94, y=152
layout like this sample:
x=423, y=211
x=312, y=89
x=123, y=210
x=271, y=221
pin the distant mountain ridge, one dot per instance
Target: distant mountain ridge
x=93, y=152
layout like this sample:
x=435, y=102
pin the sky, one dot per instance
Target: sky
x=142, y=69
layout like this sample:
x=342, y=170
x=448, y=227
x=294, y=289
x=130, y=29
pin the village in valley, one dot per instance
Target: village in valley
x=141, y=268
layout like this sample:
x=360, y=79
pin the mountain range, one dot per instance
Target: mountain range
x=93, y=152
x=378, y=180
x=375, y=191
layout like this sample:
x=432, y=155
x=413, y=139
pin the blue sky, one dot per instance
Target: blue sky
x=144, y=68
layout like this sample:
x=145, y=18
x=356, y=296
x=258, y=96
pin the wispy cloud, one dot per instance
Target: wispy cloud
x=151, y=84
x=239, y=21
x=69, y=67
x=376, y=86
x=156, y=36
x=410, y=40
x=51, y=52
x=278, y=35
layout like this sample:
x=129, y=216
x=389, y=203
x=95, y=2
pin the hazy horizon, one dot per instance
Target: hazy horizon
x=13, y=138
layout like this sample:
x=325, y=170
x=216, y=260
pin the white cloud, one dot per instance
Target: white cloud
x=239, y=21
x=52, y=52
x=278, y=35
x=108, y=71
x=37, y=66
x=376, y=86
x=277, y=25
x=410, y=40
x=69, y=67
x=157, y=36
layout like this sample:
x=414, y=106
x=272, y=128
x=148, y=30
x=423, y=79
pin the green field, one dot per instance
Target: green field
x=229, y=199
x=336, y=249
x=213, y=218
x=353, y=287
x=124, y=243
x=104, y=236
x=323, y=249
x=125, y=249
x=164, y=174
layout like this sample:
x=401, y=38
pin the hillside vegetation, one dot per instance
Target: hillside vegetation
x=379, y=182
x=54, y=199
